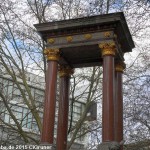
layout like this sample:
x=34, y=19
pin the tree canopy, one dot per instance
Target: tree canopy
x=21, y=51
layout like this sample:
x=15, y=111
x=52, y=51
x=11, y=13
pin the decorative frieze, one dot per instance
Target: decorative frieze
x=69, y=39
x=88, y=36
x=73, y=40
x=51, y=41
x=107, y=34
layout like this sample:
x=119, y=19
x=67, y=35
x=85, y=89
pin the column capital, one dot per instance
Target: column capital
x=65, y=71
x=120, y=66
x=108, y=48
x=52, y=54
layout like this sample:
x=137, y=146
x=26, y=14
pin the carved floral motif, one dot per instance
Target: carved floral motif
x=87, y=36
x=51, y=41
x=69, y=39
x=107, y=34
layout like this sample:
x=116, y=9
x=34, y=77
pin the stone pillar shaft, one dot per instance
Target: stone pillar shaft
x=62, y=129
x=108, y=98
x=118, y=111
x=118, y=103
x=47, y=136
x=108, y=53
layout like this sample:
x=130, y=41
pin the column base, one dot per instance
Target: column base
x=47, y=146
x=109, y=146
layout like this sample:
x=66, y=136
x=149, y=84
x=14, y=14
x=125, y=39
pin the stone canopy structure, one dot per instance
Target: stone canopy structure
x=85, y=42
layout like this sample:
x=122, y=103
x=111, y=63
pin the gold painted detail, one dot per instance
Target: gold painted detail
x=107, y=34
x=87, y=36
x=65, y=71
x=51, y=41
x=108, y=48
x=69, y=39
x=120, y=66
x=52, y=54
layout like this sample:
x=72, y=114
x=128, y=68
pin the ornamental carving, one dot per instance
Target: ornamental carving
x=87, y=36
x=108, y=48
x=65, y=71
x=52, y=54
x=120, y=66
x=51, y=41
x=69, y=39
x=107, y=34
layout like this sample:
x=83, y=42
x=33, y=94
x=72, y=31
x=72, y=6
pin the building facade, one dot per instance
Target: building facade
x=23, y=114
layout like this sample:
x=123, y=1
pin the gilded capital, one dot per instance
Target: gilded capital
x=120, y=66
x=108, y=48
x=52, y=54
x=65, y=71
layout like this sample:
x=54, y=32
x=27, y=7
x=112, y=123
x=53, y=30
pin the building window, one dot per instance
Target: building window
x=78, y=109
x=23, y=116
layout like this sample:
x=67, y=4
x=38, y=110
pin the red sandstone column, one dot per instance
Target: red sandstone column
x=62, y=128
x=50, y=96
x=118, y=103
x=108, y=53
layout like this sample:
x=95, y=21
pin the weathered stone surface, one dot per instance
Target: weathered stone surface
x=109, y=146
